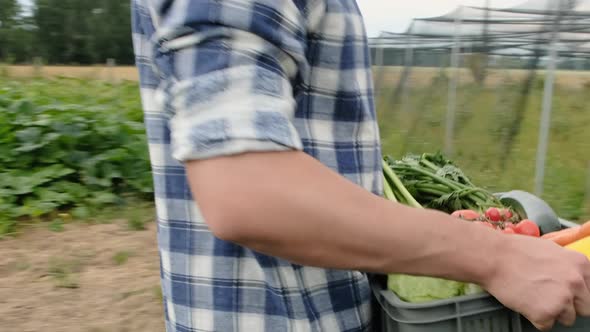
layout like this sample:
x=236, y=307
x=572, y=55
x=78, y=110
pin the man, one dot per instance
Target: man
x=266, y=161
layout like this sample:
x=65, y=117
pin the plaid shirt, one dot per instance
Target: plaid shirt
x=220, y=77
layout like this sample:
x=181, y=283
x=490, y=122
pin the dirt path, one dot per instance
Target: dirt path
x=89, y=278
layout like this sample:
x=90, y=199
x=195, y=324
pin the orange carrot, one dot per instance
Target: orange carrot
x=569, y=235
x=550, y=235
x=585, y=230
x=565, y=236
x=557, y=233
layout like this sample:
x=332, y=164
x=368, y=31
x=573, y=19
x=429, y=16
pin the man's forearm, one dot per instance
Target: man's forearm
x=289, y=205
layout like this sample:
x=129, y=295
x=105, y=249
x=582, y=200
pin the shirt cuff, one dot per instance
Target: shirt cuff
x=211, y=120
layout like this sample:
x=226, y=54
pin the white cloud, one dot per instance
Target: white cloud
x=396, y=15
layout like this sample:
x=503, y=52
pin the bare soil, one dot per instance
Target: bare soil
x=88, y=278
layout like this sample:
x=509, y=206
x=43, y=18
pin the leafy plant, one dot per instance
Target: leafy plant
x=121, y=257
x=431, y=180
x=65, y=272
x=56, y=225
x=68, y=144
x=136, y=223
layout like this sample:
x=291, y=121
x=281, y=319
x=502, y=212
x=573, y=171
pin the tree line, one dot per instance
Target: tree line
x=92, y=31
x=66, y=31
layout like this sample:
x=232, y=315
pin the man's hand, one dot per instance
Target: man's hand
x=542, y=281
x=289, y=205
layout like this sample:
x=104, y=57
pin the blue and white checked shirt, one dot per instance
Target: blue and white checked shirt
x=220, y=77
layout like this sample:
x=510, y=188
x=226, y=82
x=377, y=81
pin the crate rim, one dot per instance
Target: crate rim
x=381, y=295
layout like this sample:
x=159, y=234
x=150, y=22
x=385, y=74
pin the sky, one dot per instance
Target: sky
x=396, y=15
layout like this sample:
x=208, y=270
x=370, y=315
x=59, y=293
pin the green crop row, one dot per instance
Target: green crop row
x=69, y=145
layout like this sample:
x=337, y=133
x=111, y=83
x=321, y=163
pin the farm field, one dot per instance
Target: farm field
x=88, y=278
x=421, y=76
x=76, y=216
x=99, y=72
x=488, y=146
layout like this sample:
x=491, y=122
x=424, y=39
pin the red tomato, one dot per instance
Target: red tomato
x=508, y=231
x=528, y=227
x=493, y=214
x=506, y=214
x=509, y=225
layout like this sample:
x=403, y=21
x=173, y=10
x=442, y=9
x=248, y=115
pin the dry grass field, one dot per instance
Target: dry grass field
x=423, y=76
x=388, y=76
x=101, y=72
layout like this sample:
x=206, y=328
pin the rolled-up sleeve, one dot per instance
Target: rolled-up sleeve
x=229, y=69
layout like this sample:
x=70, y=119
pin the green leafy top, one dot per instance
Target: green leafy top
x=69, y=143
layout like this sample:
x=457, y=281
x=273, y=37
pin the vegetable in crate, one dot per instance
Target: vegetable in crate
x=581, y=246
x=575, y=238
x=502, y=223
x=432, y=181
x=528, y=227
x=418, y=289
x=569, y=235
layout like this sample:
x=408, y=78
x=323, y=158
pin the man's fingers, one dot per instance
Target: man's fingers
x=568, y=316
x=541, y=324
x=582, y=301
x=544, y=326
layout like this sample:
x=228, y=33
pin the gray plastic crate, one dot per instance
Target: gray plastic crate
x=473, y=313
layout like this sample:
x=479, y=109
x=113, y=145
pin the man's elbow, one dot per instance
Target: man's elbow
x=225, y=225
x=230, y=202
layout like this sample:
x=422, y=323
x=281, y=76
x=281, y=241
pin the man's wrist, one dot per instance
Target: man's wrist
x=491, y=245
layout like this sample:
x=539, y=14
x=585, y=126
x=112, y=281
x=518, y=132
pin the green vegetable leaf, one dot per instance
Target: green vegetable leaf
x=30, y=134
x=81, y=212
x=56, y=225
x=103, y=198
x=454, y=173
x=418, y=289
x=58, y=149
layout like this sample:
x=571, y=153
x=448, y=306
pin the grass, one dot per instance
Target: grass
x=65, y=272
x=102, y=72
x=421, y=76
x=136, y=214
x=129, y=294
x=484, y=114
x=157, y=291
x=121, y=257
x=136, y=223
x=20, y=264
x=57, y=225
